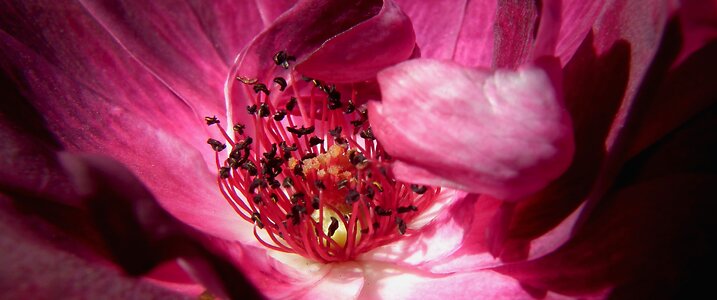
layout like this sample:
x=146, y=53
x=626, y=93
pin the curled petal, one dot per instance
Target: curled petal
x=505, y=133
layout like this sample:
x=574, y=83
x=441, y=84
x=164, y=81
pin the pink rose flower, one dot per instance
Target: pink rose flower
x=564, y=148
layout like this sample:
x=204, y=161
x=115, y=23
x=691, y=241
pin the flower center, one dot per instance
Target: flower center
x=313, y=179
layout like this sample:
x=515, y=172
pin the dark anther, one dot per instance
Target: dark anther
x=281, y=82
x=342, y=184
x=300, y=131
x=224, y=172
x=306, y=78
x=211, y=120
x=298, y=209
x=405, y=209
x=309, y=156
x=257, y=199
x=279, y=115
x=282, y=59
x=358, y=123
x=341, y=141
x=298, y=170
x=264, y=110
x=288, y=182
x=383, y=212
x=274, y=198
x=350, y=107
x=239, y=128
x=255, y=184
x=336, y=132
x=368, y=134
x=250, y=167
x=233, y=163
x=244, y=144
x=261, y=88
x=256, y=217
x=286, y=148
x=216, y=145
x=333, y=227
x=332, y=94
x=296, y=197
x=418, y=189
x=290, y=105
x=357, y=158
x=376, y=225
x=352, y=196
x=271, y=153
x=315, y=140
x=251, y=109
x=320, y=184
x=246, y=80
x=369, y=192
x=378, y=186
x=401, y=225
x=315, y=202
x=274, y=184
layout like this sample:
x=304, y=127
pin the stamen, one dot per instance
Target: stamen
x=311, y=186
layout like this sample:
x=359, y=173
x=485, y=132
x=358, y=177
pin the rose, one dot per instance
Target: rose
x=177, y=83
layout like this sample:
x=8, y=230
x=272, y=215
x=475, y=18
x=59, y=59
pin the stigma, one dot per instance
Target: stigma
x=306, y=170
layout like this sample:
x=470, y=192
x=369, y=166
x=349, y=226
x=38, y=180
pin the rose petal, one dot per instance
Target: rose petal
x=505, y=134
x=388, y=281
x=169, y=40
x=632, y=240
x=147, y=140
x=34, y=265
x=432, y=240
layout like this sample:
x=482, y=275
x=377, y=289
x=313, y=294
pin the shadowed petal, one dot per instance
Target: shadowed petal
x=505, y=134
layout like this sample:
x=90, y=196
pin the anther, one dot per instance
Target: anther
x=250, y=167
x=256, y=217
x=350, y=107
x=239, y=128
x=211, y=120
x=296, y=197
x=383, y=212
x=405, y=209
x=290, y=105
x=418, y=189
x=401, y=225
x=224, y=172
x=352, y=196
x=333, y=227
x=216, y=145
x=315, y=140
x=320, y=184
x=282, y=59
x=309, y=155
x=300, y=131
x=264, y=110
x=281, y=82
x=315, y=202
x=245, y=143
x=367, y=134
x=288, y=182
x=251, y=109
x=246, y=80
x=279, y=115
x=261, y=88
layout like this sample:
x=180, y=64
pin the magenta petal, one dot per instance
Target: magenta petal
x=505, y=134
x=359, y=53
x=144, y=132
x=387, y=281
x=170, y=41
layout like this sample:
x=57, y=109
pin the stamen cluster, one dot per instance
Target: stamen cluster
x=313, y=179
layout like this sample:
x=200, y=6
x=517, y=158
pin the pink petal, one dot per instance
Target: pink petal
x=387, y=281
x=505, y=134
x=331, y=30
x=524, y=31
x=144, y=132
x=360, y=52
x=169, y=40
x=231, y=25
x=577, y=21
x=431, y=240
x=455, y=29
